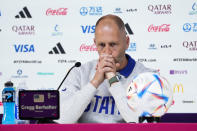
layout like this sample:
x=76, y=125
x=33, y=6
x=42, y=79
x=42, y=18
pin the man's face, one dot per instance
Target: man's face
x=110, y=40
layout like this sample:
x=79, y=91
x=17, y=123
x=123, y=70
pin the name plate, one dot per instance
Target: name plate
x=39, y=104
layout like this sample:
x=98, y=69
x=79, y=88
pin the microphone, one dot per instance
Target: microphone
x=77, y=64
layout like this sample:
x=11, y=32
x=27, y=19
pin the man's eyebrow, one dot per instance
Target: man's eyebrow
x=116, y=42
x=112, y=42
x=101, y=42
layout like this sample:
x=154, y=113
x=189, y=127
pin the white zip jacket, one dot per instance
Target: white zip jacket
x=81, y=102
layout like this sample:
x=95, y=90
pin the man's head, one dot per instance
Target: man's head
x=111, y=38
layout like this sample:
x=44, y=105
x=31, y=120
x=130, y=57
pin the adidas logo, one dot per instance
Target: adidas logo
x=24, y=12
x=128, y=29
x=57, y=49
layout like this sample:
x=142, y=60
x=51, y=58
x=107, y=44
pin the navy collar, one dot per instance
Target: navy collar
x=127, y=70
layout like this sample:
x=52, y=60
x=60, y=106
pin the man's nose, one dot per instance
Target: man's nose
x=108, y=50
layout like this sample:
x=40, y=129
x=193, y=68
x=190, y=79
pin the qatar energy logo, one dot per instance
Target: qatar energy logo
x=194, y=9
x=57, y=30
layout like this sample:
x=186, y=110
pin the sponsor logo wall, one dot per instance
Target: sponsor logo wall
x=41, y=41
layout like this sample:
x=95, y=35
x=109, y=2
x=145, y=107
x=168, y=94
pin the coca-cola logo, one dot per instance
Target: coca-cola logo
x=160, y=9
x=60, y=11
x=191, y=45
x=85, y=47
x=161, y=28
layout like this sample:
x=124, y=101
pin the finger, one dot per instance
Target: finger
x=117, y=65
x=108, y=64
x=104, y=64
x=102, y=56
x=107, y=69
x=106, y=61
x=111, y=60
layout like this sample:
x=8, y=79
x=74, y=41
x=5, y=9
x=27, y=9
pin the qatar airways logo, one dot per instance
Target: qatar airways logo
x=24, y=29
x=60, y=11
x=160, y=9
x=85, y=47
x=191, y=45
x=160, y=28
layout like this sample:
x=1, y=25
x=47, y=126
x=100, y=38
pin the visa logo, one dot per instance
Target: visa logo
x=24, y=48
x=88, y=29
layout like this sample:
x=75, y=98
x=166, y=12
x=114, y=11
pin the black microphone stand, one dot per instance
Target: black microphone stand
x=149, y=119
x=78, y=64
x=44, y=121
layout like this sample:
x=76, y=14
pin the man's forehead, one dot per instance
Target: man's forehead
x=106, y=23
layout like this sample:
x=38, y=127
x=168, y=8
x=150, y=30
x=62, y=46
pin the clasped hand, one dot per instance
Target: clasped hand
x=105, y=69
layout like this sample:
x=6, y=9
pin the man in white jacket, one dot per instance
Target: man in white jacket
x=96, y=91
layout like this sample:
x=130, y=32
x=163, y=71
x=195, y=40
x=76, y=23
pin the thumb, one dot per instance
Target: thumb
x=117, y=65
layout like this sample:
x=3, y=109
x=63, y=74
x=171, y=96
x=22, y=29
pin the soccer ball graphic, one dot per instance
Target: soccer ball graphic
x=149, y=95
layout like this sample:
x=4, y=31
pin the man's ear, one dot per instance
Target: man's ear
x=127, y=42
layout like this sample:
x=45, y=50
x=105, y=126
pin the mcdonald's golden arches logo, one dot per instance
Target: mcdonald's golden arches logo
x=178, y=87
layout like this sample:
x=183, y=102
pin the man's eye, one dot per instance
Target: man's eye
x=102, y=44
x=112, y=44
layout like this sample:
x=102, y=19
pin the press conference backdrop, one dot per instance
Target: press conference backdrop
x=41, y=39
